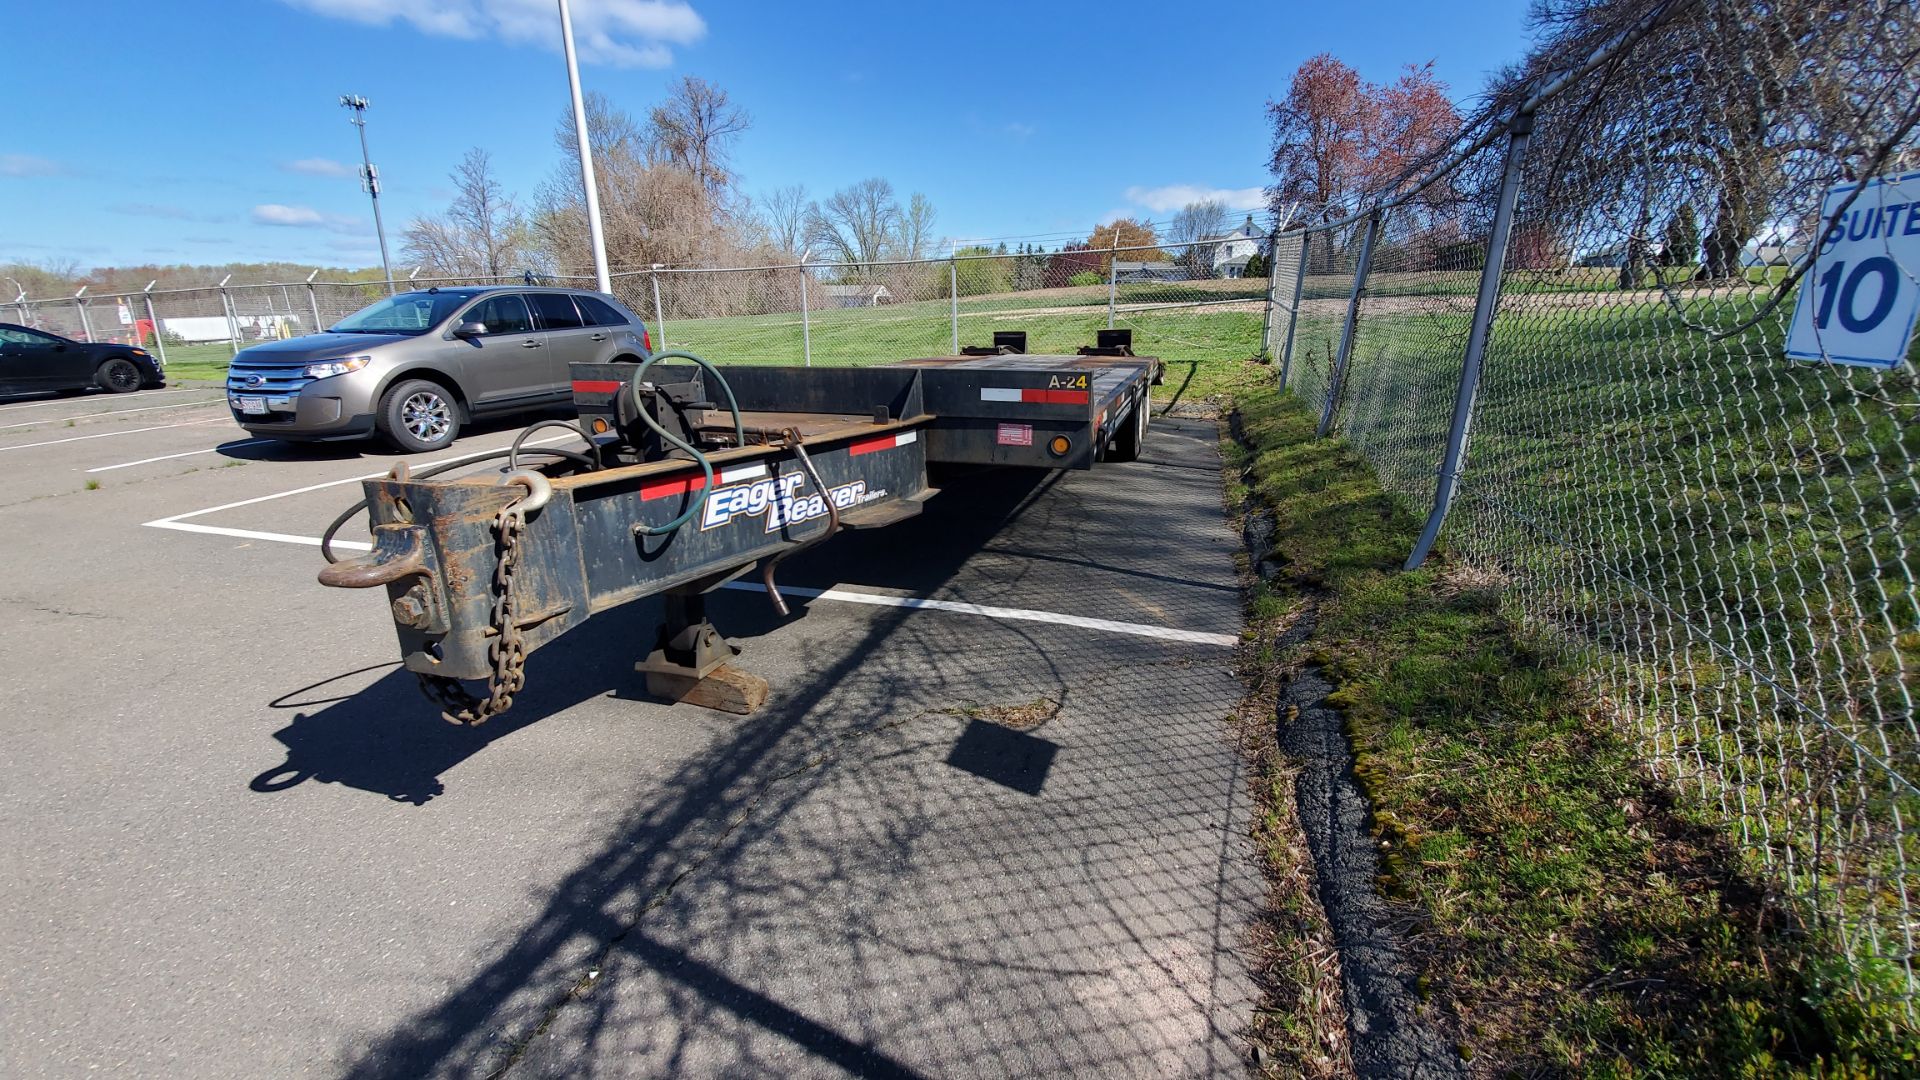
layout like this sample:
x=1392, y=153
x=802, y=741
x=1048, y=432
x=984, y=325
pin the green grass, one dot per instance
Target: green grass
x=1575, y=917
x=1724, y=537
x=197, y=362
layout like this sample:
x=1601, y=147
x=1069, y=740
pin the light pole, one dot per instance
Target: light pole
x=369, y=178
x=598, y=238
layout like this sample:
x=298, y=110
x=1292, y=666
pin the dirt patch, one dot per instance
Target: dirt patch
x=1024, y=717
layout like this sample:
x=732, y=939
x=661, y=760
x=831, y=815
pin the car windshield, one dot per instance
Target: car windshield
x=407, y=313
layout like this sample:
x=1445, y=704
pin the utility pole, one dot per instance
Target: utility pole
x=603, y=280
x=369, y=178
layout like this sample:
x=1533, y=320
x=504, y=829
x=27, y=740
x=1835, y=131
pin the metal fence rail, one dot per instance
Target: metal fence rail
x=1566, y=346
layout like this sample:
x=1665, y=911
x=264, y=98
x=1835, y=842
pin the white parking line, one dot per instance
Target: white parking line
x=76, y=400
x=1165, y=633
x=189, y=453
x=178, y=521
x=115, y=412
x=112, y=434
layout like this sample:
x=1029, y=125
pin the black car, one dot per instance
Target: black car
x=34, y=361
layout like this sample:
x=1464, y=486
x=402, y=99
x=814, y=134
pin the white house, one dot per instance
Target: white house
x=1232, y=250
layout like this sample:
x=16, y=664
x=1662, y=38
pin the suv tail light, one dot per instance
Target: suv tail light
x=646, y=339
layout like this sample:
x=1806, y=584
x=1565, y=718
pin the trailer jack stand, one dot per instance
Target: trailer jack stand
x=690, y=662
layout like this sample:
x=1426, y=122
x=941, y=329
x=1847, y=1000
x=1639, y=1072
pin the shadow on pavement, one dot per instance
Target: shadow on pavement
x=857, y=881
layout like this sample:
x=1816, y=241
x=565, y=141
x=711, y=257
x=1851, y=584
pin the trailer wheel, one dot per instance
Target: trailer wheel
x=1127, y=443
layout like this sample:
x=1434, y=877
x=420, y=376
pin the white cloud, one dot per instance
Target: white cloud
x=305, y=217
x=621, y=33
x=1021, y=131
x=319, y=166
x=1164, y=200
x=28, y=165
x=276, y=214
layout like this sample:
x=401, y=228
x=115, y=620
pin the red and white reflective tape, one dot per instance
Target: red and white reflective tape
x=884, y=442
x=686, y=485
x=1034, y=396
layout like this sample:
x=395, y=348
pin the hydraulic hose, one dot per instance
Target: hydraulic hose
x=513, y=454
x=326, y=538
x=706, y=467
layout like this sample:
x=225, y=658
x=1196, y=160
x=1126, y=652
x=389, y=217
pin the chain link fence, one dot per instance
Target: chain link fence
x=1569, y=344
x=1194, y=301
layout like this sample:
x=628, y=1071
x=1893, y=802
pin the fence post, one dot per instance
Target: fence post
x=1353, y=319
x=806, y=326
x=1293, y=313
x=1266, y=324
x=1113, y=274
x=659, y=312
x=953, y=298
x=1519, y=130
x=80, y=306
x=313, y=303
x=233, y=324
x=159, y=338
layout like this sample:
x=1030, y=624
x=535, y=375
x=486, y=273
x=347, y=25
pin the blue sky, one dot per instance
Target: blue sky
x=204, y=132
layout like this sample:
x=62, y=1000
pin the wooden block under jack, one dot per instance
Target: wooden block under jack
x=726, y=688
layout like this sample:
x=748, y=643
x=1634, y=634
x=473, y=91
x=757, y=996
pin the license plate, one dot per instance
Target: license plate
x=252, y=406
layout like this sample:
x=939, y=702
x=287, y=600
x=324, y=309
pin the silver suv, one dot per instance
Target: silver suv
x=416, y=366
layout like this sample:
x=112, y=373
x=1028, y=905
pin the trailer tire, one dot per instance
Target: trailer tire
x=1128, y=441
x=418, y=415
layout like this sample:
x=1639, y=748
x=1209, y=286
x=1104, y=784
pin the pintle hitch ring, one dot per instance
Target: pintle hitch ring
x=397, y=553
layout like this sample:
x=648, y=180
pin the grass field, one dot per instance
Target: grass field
x=1566, y=915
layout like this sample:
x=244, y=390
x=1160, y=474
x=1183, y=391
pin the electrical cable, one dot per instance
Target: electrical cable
x=706, y=466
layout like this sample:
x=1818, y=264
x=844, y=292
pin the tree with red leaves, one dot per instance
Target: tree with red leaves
x=1337, y=137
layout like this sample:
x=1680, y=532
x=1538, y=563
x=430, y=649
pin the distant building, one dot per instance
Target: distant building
x=1232, y=250
x=1607, y=256
x=1134, y=273
x=854, y=296
x=1773, y=254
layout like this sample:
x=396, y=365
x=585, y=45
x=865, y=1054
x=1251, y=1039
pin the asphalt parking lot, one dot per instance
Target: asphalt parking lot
x=237, y=842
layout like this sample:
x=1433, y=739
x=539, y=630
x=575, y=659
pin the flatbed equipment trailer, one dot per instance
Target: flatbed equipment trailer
x=680, y=492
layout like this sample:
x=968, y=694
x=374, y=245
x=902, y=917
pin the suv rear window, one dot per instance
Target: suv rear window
x=598, y=312
x=555, y=311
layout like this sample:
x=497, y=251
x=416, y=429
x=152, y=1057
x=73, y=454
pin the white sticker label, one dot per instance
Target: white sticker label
x=1014, y=435
x=1858, y=304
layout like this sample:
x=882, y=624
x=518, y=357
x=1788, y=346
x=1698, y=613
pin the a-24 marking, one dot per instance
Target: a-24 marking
x=1066, y=382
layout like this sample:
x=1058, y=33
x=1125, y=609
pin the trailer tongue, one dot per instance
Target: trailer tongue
x=696, y=474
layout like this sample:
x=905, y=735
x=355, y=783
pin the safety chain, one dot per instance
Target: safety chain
x=509, y=654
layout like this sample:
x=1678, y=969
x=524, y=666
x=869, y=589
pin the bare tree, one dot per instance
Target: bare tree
x=482, y=231
x=615, y=134
x=915, y=239
x=1196, y=222
x=695, y=129
x=856, y=224
x=652, y=211
x=783, y=213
